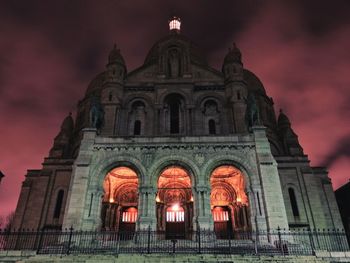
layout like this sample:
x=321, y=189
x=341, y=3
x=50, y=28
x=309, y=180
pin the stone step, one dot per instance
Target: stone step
x=167, y=259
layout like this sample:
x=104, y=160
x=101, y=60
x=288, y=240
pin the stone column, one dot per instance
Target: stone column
x=147, y=208
x=77, y=205
x=204, y=216
x=272, y=197
x=92, y=217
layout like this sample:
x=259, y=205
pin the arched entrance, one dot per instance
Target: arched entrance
x=229, y=202
x=119, y=207
x=174, y=203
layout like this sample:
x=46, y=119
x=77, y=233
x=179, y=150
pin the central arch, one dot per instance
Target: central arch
x=229, y=202
x=174, y=203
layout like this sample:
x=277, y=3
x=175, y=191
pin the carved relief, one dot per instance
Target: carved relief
x=199, y=157
x=128, y=196
x=174, y=196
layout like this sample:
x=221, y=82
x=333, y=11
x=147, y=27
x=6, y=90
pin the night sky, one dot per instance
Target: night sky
x=51, y=50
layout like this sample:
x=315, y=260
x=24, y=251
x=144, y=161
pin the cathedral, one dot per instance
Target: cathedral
x=176, y=146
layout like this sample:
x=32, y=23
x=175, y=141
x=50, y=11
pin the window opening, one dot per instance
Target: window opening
x=220, y=215
x=137, y=127
x=175, y=213
x=212, y=127
x=129, y=215
x=58, y=206
x=174, y=117
x=293, y=202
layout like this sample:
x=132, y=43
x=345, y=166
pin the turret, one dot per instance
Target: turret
x=236, y=89
x=288, y=137
x=60, y=148
x=112, y=90
x=116, y=69
x=233, y=66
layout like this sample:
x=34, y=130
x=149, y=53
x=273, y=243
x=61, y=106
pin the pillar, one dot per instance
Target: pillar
x=204, y=216
x=147, y=208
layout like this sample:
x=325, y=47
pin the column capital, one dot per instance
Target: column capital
x=147, y=190
x=202, y=188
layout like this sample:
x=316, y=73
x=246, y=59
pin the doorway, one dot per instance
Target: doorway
x=174, y=203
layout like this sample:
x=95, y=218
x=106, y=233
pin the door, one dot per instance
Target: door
x=175, y=222
x=222, y=222
x=127, y=222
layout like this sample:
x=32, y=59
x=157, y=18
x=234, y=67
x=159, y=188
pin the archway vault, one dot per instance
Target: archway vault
x=229, y=201
x=174, y=202
x=120, y=201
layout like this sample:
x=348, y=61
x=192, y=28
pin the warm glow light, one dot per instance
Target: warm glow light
x=175, y=24
x=239, y=200
x=191, y=199
x=111, y=199
x=175, y=207
x=157, y=199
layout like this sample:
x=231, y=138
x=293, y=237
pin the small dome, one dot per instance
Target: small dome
x=283, y=120
x=115, y=57
x=68, y=123
x=234, y=55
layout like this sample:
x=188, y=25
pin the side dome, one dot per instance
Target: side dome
x=95, y=85
x=253, y=83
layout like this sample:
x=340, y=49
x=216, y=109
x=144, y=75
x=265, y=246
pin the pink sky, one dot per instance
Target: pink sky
x=48, y=55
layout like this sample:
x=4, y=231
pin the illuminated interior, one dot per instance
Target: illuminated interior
x=119, y=209
x=174, y=202
x=229, y=201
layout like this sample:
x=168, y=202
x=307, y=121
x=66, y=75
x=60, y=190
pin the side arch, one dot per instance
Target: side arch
x=130, y=99
x=108, y=163
x=236, y=161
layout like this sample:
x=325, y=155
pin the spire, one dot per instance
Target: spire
x=60, y=146
x=283, y=120
x=288, y=137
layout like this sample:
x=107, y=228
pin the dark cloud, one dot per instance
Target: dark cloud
x=341, y=149
x=50, y=51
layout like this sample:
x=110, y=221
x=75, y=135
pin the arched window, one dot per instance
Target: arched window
x=174, y=118
x=137, y=127
x=293, y=202
x=212, y=127
x=58, y=206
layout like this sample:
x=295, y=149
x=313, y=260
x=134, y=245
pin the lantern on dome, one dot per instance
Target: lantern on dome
x=175, y=24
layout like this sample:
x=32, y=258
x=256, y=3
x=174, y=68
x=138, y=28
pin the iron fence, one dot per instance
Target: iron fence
x=279, y=242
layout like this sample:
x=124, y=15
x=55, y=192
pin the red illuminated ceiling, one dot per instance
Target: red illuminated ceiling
x=227, y=187
x=174, y=186
x=120, y=185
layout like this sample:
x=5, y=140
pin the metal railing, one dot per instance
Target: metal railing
x=278, y=242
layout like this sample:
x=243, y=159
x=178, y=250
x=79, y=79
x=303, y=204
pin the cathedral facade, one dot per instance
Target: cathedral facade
x=175, y=146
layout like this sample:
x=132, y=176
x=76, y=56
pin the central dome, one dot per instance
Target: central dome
x=175, y=39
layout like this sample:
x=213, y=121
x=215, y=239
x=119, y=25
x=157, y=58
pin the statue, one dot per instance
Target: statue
x=252, y=111
x=174, y=64
x=97, y=113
